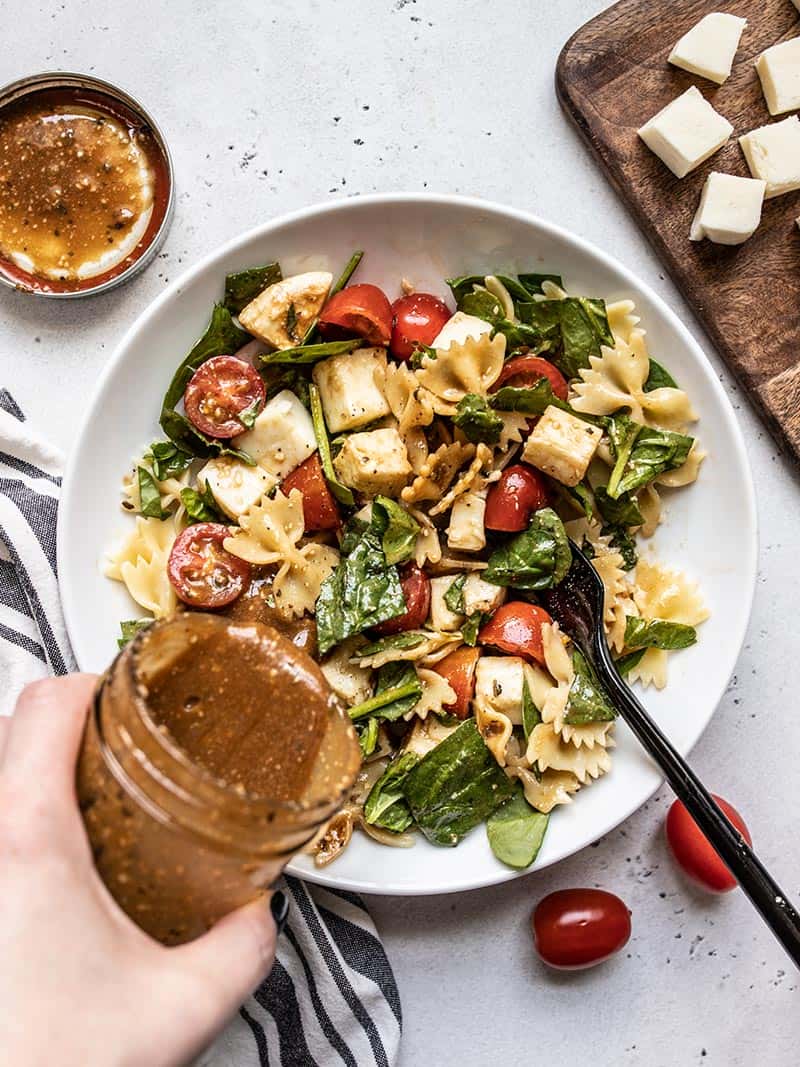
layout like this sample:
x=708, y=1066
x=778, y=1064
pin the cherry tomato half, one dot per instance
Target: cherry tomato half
x=524, y=371
x=416, y=588
x=202, y=573
x=416, y=320
x=319, y=507
x=516, y=628
x=219, y=391
x=694, y=853
x=577, y=928
x=357, y=311
x=519, y=491
x=458, y=670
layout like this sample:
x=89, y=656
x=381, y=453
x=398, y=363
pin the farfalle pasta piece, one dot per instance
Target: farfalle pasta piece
x=547, y=791
x=549, y=751
x=140, y=562
x=438, y=472
x=470, y=367
x=495, y=728
x=436, y=694
x=431, y=642
x=513, y=431
x=649, y=501
x=686, y=473
x=409, y=401
x=296, y=585
x=621, y=319
x=466, y=481
x=616, y=379
x=169, y=489
x=427, y=548
x=270, y=531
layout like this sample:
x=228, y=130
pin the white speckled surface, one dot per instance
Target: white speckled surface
x=269, y=107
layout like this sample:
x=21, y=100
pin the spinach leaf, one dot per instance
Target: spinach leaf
x=454, y=597
x=516, y=290
x=587, y=700
x=341, y=492
x=397, y=528
x=657, y=633
x=362, y=592
x=626, y=663
x=579, y=335
x=531, y=716
x=533, y=282
x=408, y=639
x=483, y=304
x=167, y=459
x=149, y=495
x=641, y=453
x=456, y=786
x=368, y=736
x=658, y=378
x=303, y=354
x=624, y=543
x=538, y=558
x=201, y=506
x=397, y=690
x=596, y=311
x=516, y=831
x=386, y=806
x=477, y=421
x=292, y=378
x=622, y=511
x=460, y=287
x=244, y=285
x=534, y=400
x=580, y=495
x=222, y=337
x=470, y=629
x=130, y=628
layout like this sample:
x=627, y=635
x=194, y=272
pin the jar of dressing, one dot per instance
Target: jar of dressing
x=214, y=751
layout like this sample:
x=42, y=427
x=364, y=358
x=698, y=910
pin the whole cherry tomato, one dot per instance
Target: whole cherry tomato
x=219, y=391
x=525, y=371
x=357, y=311
x=516, y=628
x=202, y=573
x=416, y=588
x=319, y=507
x=458, y=670
x=694, y=853
x=416, y=320
x=512, y=499
x=577, y=928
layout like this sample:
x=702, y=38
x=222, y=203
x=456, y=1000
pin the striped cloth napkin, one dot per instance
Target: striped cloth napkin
x=331, y=995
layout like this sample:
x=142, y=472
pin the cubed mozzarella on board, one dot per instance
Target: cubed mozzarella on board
x=686, y=132
x=442, y=618
x=235, y=486
x=352, y=388
x=779, y=70
x=466, y=531
x=499, y=682
x=374, y=462
x=562, y=445
x=709, y=47
x=458, y=328
x=282, y=436
x=773, y=155
x=729, y=210
x=283, y=312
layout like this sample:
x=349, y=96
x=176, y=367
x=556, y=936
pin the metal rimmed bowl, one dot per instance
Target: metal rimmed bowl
x=105, y=97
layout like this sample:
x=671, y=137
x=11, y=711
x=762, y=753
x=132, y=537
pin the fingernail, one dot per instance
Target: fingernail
x=279, y=906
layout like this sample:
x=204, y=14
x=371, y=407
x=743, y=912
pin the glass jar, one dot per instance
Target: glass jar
x=177, y=846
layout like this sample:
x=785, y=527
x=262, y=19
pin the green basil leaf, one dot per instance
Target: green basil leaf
x=460, y=287
x=596, y=311
x=533, y=282
x=149, y=495
x=622, y=511
x=659, y=378
x=641, y=453
x=626, y=663
x=538, y=558
x=386, y=806
x=242, y=286
x=341, y=492
x=531, y=716
x=454, y=597
x=397, y=528
x=167, y=459
x=477, y=421
x=455, y=786
x=248, y=417
x=483, y=304
x=201, y=506
x=587, y=700
x=579, y=337
x=534, y=400
x=130, y=628
x=304, y=354
x=368, y=736
x=658, y=633
x=516, y=832
x=397, y=690
x=472, y=626
x=402, y=641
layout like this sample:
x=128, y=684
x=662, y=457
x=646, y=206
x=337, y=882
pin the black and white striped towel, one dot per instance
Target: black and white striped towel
x=331, y=997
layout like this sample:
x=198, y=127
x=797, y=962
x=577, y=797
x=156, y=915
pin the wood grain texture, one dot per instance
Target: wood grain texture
x=612, y=76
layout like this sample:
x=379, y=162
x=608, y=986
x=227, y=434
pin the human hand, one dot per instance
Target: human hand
x=80, y=983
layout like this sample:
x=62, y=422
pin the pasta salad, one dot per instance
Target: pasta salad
x=391, y=485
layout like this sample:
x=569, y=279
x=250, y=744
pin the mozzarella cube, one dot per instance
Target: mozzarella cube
x=236, y=486
x=481, y=596
x=779, y=70
x=709, y=46
x=773, y=155
x=729, y=210
x=686, y=132
x=282, y=436
x=352, y=388
x=442, y=618
x=466, y=530
x=499, y=682
x=459, y=328
x=562, y=445
x=351, y=683
x=283, y=312
x=374, y=462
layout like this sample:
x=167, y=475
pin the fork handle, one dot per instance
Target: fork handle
x=769, y=899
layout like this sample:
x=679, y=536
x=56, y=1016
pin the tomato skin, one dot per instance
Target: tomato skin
x=416, y=588
x=525, y=371
x=458, y=670
x=516, y=628
x=202, y=573
x=578, y=928
x=218, y=392
x=512, y=499
x=319, y=506
x=357, y=311
x=693, y=852
x=416, y=320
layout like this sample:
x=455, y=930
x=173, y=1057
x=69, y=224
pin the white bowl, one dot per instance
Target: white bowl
x=710, y=528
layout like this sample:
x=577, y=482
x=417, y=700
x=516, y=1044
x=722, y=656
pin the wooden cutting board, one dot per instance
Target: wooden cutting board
x=612, y=76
